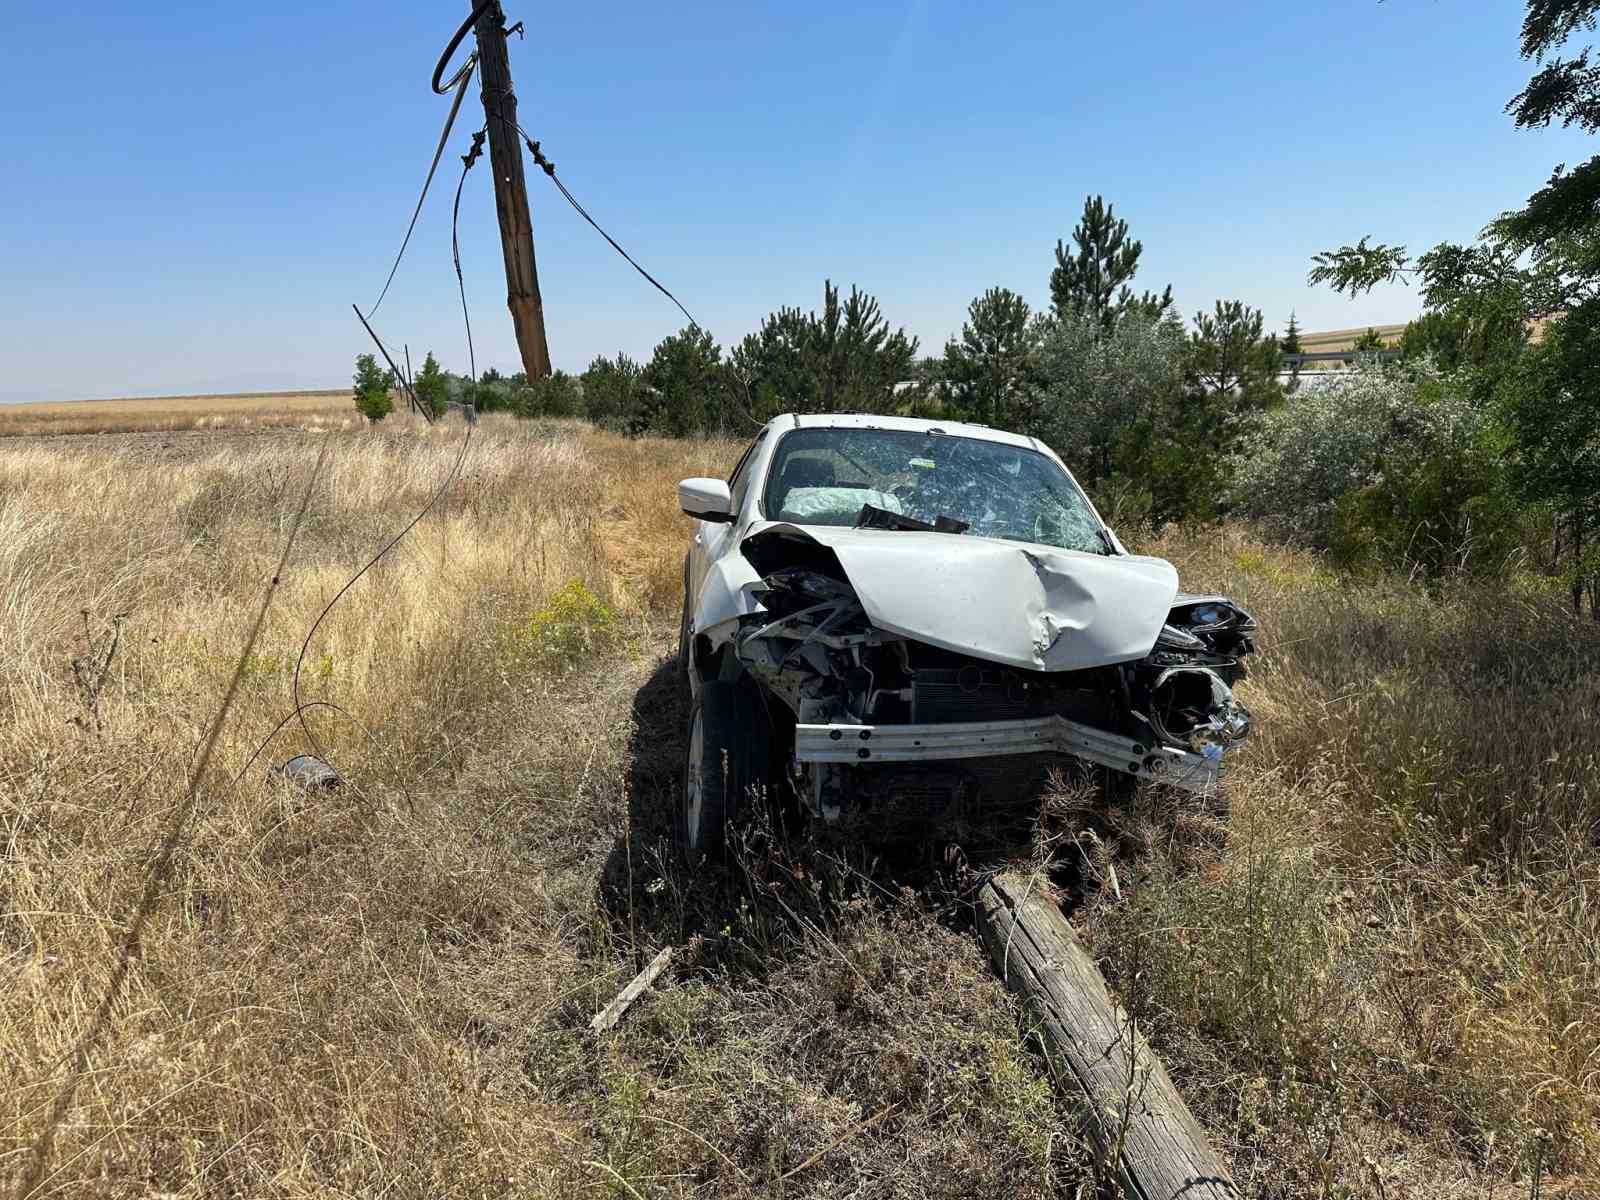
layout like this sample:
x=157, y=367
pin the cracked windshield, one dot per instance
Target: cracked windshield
x=829, y=476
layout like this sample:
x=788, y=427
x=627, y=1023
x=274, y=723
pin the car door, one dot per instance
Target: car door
x=713, y=539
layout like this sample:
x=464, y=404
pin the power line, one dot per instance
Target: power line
x=549, y=169
x=455, y=469
x=441, y=89
x=160, y=868
x=467, y=159
x=458, y=81
x=457, y=84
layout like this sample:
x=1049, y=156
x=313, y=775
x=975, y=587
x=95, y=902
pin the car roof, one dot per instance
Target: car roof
x=904, y=424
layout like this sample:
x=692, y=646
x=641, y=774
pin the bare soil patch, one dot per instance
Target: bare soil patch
x=170, y=445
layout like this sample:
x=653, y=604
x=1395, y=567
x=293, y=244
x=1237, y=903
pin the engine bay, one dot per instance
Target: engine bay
x=814, y=649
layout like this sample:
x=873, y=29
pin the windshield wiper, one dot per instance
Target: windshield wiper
x=873, y=517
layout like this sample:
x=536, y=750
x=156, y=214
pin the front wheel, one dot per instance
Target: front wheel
x=728, y=758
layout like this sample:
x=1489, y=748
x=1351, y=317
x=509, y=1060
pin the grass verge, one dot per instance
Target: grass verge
x=1376, y=972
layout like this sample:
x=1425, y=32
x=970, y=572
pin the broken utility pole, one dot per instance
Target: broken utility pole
x=511, y=190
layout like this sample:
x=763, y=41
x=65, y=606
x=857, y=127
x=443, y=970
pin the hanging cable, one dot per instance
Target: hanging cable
x=549, y=168
x=459, y=82
x=441, y=89
x=467, y=159
x=299, y=662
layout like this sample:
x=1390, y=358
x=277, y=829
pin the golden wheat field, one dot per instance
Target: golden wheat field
x=1376, y=972
x=330, y=409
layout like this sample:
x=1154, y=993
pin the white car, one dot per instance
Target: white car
x=890, y=618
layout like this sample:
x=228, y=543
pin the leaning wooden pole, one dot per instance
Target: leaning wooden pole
x=511, y=191
x=1146, y=1138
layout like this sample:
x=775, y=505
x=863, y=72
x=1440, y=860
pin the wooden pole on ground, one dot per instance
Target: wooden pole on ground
x=511, y=191
x=1145, y=1136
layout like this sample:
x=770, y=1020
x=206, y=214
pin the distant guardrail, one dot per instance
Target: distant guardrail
x=1388, y=354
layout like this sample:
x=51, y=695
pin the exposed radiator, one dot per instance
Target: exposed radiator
x=967, y=693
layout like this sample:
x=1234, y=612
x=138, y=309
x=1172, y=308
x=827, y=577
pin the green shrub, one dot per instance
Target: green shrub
x=372, y=389
x=1386, y=468
x=572, y=625
x=557, y=395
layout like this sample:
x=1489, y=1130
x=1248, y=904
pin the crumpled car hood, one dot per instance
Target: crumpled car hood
x=1026, y=605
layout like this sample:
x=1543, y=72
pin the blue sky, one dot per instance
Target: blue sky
x=197, y=193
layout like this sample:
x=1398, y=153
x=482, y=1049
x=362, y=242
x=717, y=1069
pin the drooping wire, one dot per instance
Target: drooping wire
x=33, y=1177
x=549, y=168
x=439, y=89
x=459, y=82
x=467, y=159
x=299, y=662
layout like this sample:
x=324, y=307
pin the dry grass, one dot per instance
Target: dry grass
x=1319, y=342
x=385, y=990
x=253, y=410
x=1390, y=945
x=1386, y=966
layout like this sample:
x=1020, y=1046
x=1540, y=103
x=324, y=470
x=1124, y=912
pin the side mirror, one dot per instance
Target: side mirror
x=706, y=499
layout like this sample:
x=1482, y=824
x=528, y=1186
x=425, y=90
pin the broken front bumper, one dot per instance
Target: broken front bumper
x=989, y=739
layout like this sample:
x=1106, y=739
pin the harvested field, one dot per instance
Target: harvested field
x=251, y=410
x=1376, y=974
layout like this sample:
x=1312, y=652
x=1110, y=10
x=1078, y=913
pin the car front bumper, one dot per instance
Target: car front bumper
x=865, y=744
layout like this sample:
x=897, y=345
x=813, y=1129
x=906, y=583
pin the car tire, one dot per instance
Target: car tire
x=727, y=757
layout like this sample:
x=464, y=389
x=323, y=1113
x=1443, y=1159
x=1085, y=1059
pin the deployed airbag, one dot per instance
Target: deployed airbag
x=833, y=505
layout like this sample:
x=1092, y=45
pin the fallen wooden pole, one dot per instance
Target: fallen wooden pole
x=1145, y=1136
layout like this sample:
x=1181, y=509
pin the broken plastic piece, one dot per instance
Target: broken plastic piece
x=309, y=771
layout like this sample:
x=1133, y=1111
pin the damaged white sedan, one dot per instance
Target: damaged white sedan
x=892, y=617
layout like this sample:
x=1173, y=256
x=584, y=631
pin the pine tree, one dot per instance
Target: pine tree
x=684, y=386
x=1232, y=368
x=432, y=386
x=1369, y=342
x=1291, y=336
x=844, y=359
x=1094, y=280
x=1291, y=345
x=372, y=388
x=612, y=391
x=986, y=367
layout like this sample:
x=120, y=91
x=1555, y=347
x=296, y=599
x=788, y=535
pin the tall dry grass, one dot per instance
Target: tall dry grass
x=384, y=990
x=1384, y=969
x=263, y=410
x=1374, y=975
